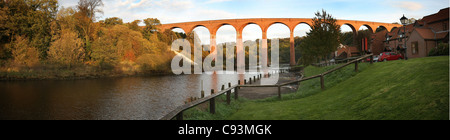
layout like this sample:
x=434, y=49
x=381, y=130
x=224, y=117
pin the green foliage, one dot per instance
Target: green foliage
x=441, y=49
x=322, y=40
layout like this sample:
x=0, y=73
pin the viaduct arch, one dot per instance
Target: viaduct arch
x=264, y=24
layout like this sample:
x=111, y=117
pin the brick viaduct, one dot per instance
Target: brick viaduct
x=264, y=24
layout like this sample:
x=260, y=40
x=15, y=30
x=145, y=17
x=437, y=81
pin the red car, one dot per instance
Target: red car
x=388, y=56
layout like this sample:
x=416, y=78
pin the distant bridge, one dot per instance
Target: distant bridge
x=264, y=24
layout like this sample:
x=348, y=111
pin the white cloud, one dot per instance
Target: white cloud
x=408, y=5
x=216, y=1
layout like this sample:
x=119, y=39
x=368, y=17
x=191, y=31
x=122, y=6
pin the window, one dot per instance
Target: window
x=445, y=26
x=415, y=47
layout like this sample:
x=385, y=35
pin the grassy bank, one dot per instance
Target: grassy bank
x=413, y=89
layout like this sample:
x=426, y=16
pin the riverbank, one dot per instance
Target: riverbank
x=74, y=73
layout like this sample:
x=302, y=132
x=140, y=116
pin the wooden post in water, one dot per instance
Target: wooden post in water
x=322, y=82
x=212, y=104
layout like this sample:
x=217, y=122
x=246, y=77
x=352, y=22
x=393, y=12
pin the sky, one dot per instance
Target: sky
x=174, y=11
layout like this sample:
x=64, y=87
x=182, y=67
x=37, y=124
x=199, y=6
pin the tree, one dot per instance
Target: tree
x=86, y=15
x=30, y=18
x=24, y=54
x=113, y=21
x=135, y=25
x=322, y=40
x=150, y=27
x=67, y=49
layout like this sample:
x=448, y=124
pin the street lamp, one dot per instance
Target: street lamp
x=404, y=21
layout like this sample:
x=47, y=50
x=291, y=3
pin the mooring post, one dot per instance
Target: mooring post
x=212, y=104
x=322, y=82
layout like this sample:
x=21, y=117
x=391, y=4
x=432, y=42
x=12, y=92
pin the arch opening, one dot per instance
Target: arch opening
x=282, y=32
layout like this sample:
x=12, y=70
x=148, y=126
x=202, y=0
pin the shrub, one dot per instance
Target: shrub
x=441, y=49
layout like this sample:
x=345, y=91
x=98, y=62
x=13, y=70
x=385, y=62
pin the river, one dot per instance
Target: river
x=127, y=98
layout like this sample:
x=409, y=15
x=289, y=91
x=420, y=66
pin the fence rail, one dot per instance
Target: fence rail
x=178, y=112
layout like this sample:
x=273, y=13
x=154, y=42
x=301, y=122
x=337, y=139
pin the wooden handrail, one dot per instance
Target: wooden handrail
x=179, y=110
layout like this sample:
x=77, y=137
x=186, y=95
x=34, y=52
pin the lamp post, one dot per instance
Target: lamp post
x=404, y=21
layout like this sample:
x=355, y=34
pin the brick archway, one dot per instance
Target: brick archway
x=264, y=24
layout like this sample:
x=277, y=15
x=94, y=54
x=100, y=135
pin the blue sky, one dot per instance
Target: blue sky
x=173, y=11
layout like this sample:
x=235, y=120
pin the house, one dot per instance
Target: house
x=428, y=33
x=420, y=37
x=344, y=52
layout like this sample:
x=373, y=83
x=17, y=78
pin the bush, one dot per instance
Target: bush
x=441, y=49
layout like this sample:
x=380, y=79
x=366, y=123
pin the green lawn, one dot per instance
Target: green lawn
x=413, y=89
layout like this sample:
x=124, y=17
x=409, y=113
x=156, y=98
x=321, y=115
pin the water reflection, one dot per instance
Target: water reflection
x=105, y=99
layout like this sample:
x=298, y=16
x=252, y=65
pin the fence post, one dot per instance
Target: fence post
x=212, y=104
x=180, y=116
x=228, y=97
x=356, y=66
x=371, y=59
x=322, y=82
x=236, y=89
x=202, y=94
x=279, y=92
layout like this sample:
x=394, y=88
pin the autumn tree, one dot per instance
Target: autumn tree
x=67, y=49
x=135, y=25
x=113, y=21
x=86, y=16
x=23, y=54
x=28, y=18
x=322, y=40
x=150, y=27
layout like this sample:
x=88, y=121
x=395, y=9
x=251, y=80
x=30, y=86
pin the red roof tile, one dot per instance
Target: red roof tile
x=441, y=15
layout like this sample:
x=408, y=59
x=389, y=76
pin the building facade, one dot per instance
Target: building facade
x=420, y=37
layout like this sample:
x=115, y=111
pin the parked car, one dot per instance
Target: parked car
x=388, y=56
x=375, y=58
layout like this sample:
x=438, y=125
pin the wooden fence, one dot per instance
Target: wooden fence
x=178, y=112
